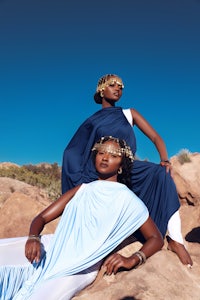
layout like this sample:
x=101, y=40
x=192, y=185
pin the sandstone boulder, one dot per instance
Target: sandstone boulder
x=163, y=276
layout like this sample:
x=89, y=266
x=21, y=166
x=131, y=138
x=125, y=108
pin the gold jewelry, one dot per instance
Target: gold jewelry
x=141, y=256
x=101, y=94
x=109, y=80
x=34, y=237
x=120, y=170
x=126, y=151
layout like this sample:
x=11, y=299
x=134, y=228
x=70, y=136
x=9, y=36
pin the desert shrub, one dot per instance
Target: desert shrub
x=184, y=156
x=45, y=176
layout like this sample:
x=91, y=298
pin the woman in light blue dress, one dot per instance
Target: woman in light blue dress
x=96, y=218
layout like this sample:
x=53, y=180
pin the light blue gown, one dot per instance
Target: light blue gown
x=96, y=220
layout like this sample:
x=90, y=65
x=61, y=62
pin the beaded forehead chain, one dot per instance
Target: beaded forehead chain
x=107, y=80
x=126, y=150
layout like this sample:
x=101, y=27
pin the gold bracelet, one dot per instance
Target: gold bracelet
x=34, y=237
x=142, y=258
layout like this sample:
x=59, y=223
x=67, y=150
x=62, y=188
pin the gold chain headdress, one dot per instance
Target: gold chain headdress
x=122, y=150
x=107, y=80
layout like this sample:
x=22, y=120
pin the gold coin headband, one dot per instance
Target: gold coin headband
x=108, y=80
x=126, y=151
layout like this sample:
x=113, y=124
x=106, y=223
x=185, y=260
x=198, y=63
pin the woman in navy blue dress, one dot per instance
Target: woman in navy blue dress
x=150, y=182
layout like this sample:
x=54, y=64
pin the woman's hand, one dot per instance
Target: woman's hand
x=116, y=261
x=167, y=165
x=153, y=243
x=33, y=250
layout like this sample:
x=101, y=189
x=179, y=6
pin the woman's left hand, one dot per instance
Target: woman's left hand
x=116, y=261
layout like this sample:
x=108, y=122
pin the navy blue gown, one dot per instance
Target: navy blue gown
x=150, y=182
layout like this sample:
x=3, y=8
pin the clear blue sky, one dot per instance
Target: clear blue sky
x=53, y=52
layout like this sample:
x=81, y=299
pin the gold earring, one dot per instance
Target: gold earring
x=101, y=94
x=120, y=170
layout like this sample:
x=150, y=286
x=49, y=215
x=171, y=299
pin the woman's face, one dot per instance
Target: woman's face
x=108, y=160
x=113, y=89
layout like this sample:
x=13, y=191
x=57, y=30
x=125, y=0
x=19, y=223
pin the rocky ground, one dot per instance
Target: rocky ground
x=163, y=276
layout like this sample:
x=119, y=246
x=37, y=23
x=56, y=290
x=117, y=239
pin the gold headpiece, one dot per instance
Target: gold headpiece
x=122, y=150
x=109, y=79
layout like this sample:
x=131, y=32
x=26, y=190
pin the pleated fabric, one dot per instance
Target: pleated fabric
x=97, y=219
x=150, y=181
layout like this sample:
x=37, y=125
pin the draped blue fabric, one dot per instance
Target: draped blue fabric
x=77, y=163
x=150, y=181
x=96, y=220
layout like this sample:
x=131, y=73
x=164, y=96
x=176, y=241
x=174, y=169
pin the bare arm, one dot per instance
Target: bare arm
x=151, y=133
x=53, y=211
x=154, y=242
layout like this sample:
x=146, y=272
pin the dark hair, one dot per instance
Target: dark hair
x=98, y=98
x=125, y=176
x=127, y=161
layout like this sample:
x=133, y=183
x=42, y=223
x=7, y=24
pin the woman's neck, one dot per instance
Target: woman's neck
x=108, y=178
x=107, y=103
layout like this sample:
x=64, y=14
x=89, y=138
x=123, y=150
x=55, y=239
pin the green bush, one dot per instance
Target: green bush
x=45, y=176
x=184, y=156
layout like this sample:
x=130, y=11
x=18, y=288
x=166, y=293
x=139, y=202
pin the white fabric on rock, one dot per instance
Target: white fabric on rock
x=174, y=228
